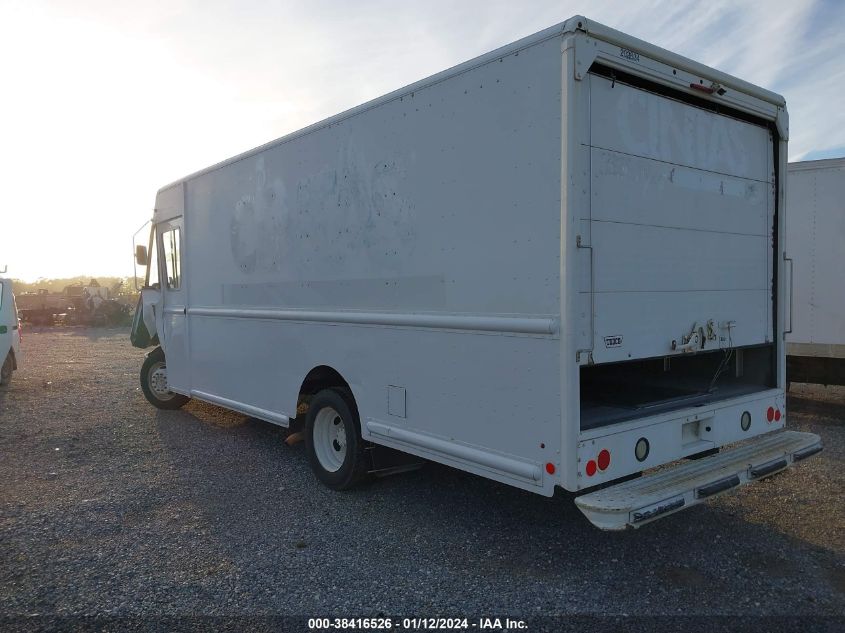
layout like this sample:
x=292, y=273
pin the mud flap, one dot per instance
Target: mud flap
x=139, y=335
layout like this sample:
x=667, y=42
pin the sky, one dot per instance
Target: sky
x=103, y=102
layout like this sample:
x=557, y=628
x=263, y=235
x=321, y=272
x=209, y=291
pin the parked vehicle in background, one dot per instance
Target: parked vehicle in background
x=815, y=235
x=42, y=307
x=555, y=265
x=89, y=304
x=10, y=332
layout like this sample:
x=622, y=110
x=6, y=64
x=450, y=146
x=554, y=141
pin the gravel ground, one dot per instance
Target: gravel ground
x=110, y=507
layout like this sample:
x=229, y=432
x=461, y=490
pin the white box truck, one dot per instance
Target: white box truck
x=556, y=265
x=815, y=234
x=10, y=332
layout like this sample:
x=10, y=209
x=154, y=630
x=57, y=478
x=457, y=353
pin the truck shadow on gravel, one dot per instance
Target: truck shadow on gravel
x=830, y=412
x=446, y=528
x=92, y=333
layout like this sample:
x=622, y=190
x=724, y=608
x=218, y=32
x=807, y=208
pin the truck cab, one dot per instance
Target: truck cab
x=10, y=332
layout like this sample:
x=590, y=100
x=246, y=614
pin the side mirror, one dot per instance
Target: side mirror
x=141, y=257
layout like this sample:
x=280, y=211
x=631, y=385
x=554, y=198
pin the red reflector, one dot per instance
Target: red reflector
x=550, y=468
x=770, y=414
x=603, y=459
x=708, y=89
x=777, y=415
x=591, y=468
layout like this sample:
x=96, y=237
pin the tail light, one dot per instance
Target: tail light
x=706, y=89
x=773, y=414
x=600, y=463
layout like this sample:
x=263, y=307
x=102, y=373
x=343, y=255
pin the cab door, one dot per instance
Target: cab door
x=174, y=334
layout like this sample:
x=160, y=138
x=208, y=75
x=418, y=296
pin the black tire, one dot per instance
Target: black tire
x=151, y=383
x=7, y=369
x=335, y=408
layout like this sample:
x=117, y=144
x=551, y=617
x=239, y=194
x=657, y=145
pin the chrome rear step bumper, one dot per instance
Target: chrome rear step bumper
x=658, y=494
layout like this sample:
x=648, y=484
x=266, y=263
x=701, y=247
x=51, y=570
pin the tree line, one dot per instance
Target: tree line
x=116, y=285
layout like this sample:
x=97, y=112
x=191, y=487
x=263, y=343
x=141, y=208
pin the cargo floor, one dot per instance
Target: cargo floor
x=636, y=401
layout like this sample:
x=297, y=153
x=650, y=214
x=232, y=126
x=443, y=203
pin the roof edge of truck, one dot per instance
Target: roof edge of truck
x=574, y=23
x=657, y=53
x=819, y=163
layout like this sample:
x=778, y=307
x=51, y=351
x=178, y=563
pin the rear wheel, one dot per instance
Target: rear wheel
x=154, y=382
x=6, y=369
x=333, y=440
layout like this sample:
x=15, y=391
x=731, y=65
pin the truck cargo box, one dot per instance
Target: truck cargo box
x=558, y=264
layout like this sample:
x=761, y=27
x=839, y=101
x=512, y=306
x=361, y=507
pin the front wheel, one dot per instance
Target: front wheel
x=333, y=440
x=154, y=382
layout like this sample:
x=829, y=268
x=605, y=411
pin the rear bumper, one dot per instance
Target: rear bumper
x=658, y=494
x=676, y=434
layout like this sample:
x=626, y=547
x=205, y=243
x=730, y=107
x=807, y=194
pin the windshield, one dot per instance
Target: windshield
x=153, y=255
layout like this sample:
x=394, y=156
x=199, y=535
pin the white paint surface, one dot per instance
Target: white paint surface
x=815, y=240
x=465, y=238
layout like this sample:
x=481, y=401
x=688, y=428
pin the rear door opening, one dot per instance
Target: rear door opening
x=681, y=227
x=617, y=392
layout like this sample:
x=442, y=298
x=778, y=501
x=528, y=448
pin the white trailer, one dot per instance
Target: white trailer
x=557, y=264
x=815, y=234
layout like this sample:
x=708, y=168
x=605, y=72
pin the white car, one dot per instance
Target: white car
x=10, y=332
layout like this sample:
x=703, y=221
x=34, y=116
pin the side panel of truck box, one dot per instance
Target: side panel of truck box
x=815, y=233
x=422, y=238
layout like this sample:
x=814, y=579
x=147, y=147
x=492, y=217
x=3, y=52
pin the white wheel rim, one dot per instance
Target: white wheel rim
x=157, y=379
x=330, y=439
